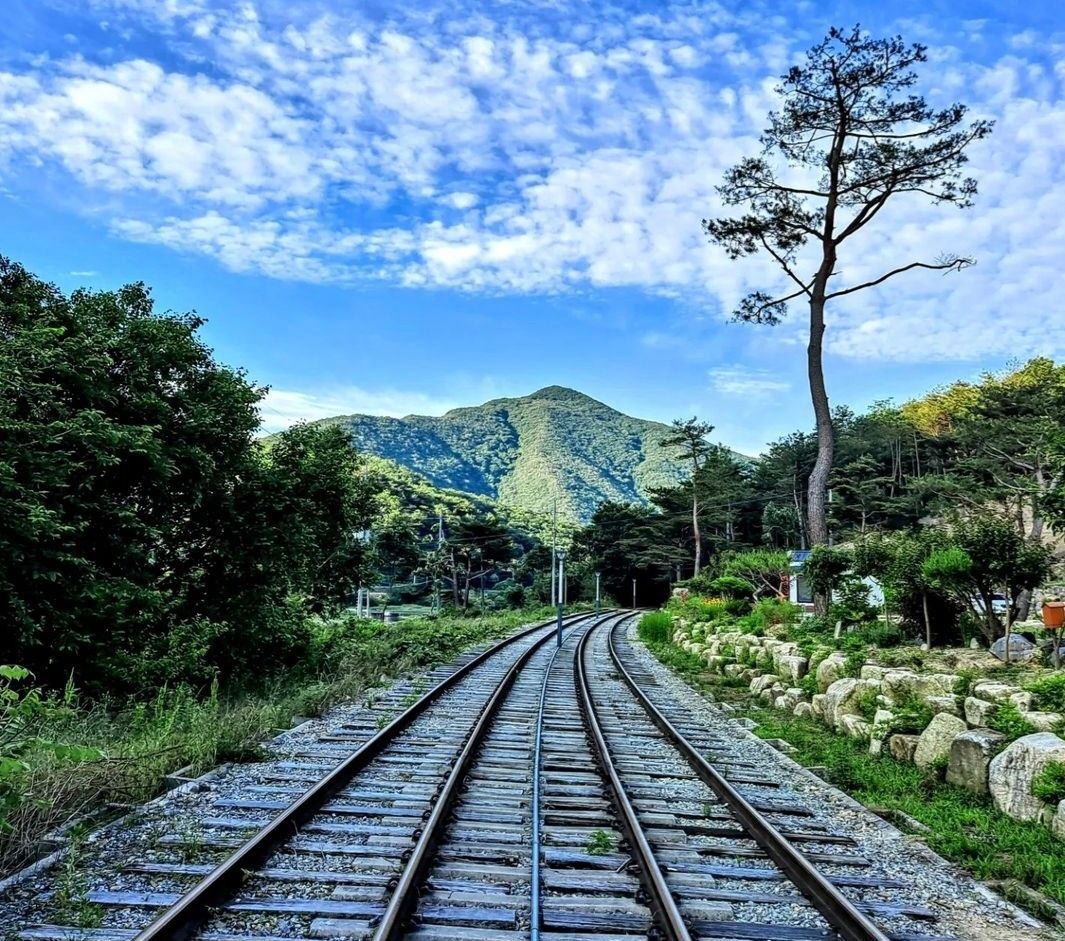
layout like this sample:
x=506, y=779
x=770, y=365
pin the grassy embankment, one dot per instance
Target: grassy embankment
x=61, y=756
x=961, y=826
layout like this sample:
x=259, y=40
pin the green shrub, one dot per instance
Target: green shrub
x=881, y=634
x=912, y=714
x=700, y=584
x=967, y=678
x=656, y=627
x=852, y=666
x=770, y=611
x=1049, y=784
x=1010, y=721
x=1049, y=692
x=866, y=703
x=731, y=586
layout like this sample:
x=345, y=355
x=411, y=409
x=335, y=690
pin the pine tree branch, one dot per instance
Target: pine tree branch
x=955, y=264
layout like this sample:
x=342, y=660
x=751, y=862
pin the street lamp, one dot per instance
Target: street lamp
x=597, y=594
x=634, y=594
x=561, y=596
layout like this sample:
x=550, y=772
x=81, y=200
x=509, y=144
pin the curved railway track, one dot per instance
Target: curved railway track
x=535, y=792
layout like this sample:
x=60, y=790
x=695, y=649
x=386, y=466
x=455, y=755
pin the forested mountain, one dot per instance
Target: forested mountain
x=527, y=452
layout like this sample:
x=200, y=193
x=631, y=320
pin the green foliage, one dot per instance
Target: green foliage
x=1010, y=721
x=70, y=900
x=656, y=627
x=965, y=828
x=763, y=568
x=851, y=602
x=866, y=703
x=1049, y=784
x=1049, y=692
x=59, y=754
x=146, y=536
x=600, y=843
x=826, y=568
x=912, y=714
x=768, y=612
x=731, y=586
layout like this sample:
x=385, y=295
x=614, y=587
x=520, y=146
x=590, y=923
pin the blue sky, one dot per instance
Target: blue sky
x=406, y=207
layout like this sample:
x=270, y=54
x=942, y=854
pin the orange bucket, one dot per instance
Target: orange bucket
x=1054, y=613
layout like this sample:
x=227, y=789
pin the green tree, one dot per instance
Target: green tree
x=850, y=117
x=689, y=436
x=145, y=534
x=987, y=555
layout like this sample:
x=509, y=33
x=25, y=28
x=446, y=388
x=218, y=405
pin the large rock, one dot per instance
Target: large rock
x=904, y=684
x=994, y=690
x=872, y=672
x=934, y=742
x=792, y=667
x=944, y=704
x=817, y=705
x=760, y=683
x=855, y=727
x=803, y=710
x=845, y=697
x=978, y=712
x=970, y=757
x=830, y=669
x=1021, y=649
x=901, y=747
x=1012, y=772
x=1044, y=721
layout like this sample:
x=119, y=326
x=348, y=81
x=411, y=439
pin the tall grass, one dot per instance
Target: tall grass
x=61, y=757
x=656, y=627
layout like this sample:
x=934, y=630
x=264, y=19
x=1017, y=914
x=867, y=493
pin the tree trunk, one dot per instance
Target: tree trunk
x=817, y=488
x=694, y=510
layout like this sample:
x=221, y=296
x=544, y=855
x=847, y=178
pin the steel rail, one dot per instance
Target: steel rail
x=183, y=919
x=836, y=908
x=405, y=895
x=537, y=762
x=664, y=906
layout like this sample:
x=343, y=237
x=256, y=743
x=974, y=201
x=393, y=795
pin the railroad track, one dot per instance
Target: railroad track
x=535, y=792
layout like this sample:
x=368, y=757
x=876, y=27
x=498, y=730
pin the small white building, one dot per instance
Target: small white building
x=800, y=593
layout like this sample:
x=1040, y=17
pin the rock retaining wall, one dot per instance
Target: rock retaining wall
x=879, y=706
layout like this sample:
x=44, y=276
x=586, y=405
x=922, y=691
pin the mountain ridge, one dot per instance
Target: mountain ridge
x=527, y=452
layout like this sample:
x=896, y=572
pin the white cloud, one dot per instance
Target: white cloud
x=83, y=274
x=747, y=383
x=527, y=154
x=283, y=408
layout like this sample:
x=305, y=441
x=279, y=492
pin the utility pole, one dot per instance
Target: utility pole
x=597, y=594
x=561, y=603
x=554, y=549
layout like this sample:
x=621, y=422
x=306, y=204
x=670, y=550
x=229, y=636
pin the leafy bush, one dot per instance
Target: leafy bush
x=769, y=611
x=701, y=585
x=851, y=605
x=656, y=627
x=1049, y=692
x=883, y=635
x=912, y=714
x=732, y=586
x=967, y=678
x=1049, y=784
x=866, y=703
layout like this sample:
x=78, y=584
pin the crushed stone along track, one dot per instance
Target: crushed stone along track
x=535, y=792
